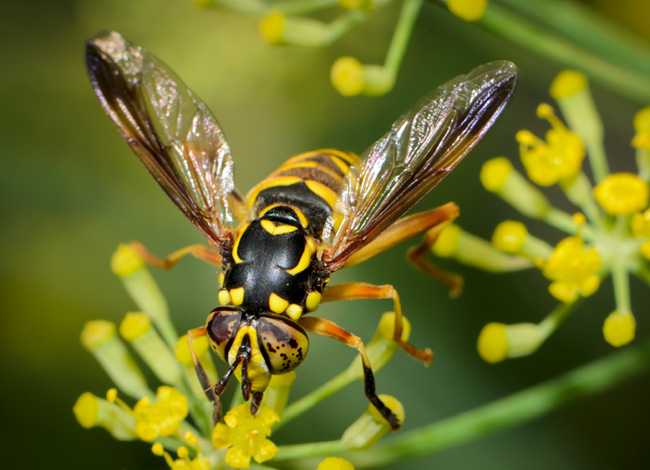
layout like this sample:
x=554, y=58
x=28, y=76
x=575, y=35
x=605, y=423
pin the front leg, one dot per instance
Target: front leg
x=210, y=390
x=198, y=251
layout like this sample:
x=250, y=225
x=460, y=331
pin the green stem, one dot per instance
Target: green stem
x=621, y=281
x=532, y=37
x=579, y=192
x=643, y=163
x=244, y=7
x=563, y=221
x=558, y=315
x=261, y=7
x=598, y=161
x=507, y=412
x=343, y=24
x=586, y=27
x=305, y=6
x=402, y=35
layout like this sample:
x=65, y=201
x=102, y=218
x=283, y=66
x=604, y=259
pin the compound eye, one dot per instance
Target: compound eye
x=283, y=342
x=222, y=327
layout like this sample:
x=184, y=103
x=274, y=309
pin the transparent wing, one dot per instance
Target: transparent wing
x=420, y=149
x=169, y=128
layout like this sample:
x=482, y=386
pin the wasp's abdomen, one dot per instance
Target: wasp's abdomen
x=309, y=182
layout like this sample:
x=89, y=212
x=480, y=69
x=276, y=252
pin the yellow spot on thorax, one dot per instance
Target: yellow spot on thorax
x=313, y=300
x=277, y=304
x=273, y=229
x=235, y=248
x=237, y=295
x=224, y=297
x=305, y=258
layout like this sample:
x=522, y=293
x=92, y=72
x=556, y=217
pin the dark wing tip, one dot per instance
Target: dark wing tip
x=505, y=75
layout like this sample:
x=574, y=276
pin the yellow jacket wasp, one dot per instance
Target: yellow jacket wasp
x=320, y=211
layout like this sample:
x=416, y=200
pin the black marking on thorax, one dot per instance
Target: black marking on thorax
x=262, y=260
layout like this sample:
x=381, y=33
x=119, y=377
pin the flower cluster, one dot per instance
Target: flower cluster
x=178, y=417
x=290, y=23
x=607, y=235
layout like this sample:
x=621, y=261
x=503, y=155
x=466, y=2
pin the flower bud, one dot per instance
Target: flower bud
x=138, y=282
x=498, y=176
x=371, y=425
x=92, y=411
x=497, y=341
x=99, y=337
x=571, y=91
x=619, y=328
x=335, y=463
x=279, y=29
x=350, y=78
x=468, y=10
x=136, y=328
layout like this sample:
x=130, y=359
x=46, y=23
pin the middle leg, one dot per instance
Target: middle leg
x=361, y=290
x=329, y=329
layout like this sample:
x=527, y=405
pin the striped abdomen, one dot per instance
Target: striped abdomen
x=309, y=182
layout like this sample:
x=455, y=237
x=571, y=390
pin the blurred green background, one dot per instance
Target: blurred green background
x=71, y=191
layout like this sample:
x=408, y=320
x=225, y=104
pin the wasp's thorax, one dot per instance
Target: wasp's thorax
x=273, y=265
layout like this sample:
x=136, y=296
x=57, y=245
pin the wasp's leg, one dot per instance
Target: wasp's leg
x=199, y=251
x=209, y=389
x=361, y=290
x=431, y=224
x=327, y=328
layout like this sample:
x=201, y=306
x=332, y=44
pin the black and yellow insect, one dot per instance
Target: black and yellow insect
x=319, y=212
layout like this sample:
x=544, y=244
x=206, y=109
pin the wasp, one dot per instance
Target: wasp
x=317, y=213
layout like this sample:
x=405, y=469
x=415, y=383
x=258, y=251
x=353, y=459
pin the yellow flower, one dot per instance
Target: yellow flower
x=447, y=243
x=619, y=328
x=509, y=236
x=641, y=224
x=364, y=5
x=350, y=78
x=347, y=76
x=573, y=269
x=335, y=463
x=642, y=128
x=126, y=260
x=492, y=343
x=183, y=462
x=567, y=84
x=272, y=27
x=497, y=341
x=641, y=229
x=559, y=158
x=246, y=435
x=495, y=173
x=468, y=10
x=162, y=417
x=622, y=194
